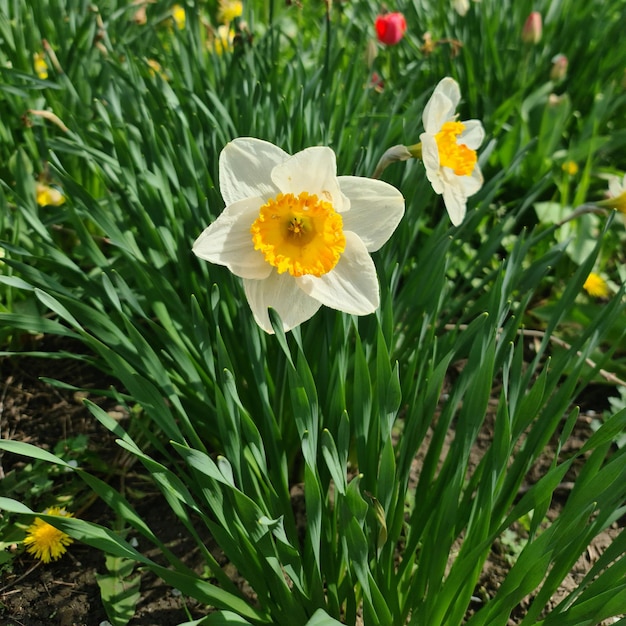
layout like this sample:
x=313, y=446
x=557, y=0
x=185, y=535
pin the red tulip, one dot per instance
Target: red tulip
x=390, y=28
x=532, y=31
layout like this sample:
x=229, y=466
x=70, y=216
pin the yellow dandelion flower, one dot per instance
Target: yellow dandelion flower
x=570, y=168
x=45, y=542
x=596, y=286
x=40, y=65
x=48, y=196
x=228, y=10
x=179, y=16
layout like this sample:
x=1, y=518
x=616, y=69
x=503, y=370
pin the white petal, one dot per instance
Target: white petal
x=281, y=293
x=351, y=286
x=227, y=241
x=313, y=170
x=246, y=166
x=456, y=203
x=616, y=187
x=376, y=209
x=449, y=88
x=442, y=105
x=474, y=182
x=473, y=134
x=430, y=159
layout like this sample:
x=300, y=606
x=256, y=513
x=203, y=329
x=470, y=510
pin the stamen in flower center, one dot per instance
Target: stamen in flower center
x=299, y=234
x=457, y=156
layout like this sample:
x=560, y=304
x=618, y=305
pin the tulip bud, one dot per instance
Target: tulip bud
x=559, y=68
x=390, y=28
x=371, y=52
x=461, y=7
x=531, y=33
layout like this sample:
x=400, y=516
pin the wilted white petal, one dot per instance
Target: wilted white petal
x=281, y=293
x=245, y=169
x=352, y=285
x=376, y=209
x=228, y=241
x=313, y=170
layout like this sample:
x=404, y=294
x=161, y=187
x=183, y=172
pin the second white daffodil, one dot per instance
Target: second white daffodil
x=297, y=234
x=617, y=195
x=449, y=149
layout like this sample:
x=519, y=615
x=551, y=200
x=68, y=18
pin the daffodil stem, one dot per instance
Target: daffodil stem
x=582, y=210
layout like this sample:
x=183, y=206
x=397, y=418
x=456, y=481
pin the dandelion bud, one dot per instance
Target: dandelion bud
x=533, y=28
x=390, y=28
x=559, y=68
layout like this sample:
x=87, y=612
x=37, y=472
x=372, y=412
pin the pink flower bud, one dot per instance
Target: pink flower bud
x=559, y=68
x=390, y=28
x=531, y=33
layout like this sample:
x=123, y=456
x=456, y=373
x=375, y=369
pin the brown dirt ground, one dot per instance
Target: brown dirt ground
x=65, y=592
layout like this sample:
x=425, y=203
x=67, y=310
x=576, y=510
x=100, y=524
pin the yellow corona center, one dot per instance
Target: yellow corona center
x=299, y=234
x=457, y=156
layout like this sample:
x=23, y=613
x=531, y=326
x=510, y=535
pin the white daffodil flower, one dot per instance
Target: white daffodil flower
x=449, y=149
x=297, y=234
x=617, y=191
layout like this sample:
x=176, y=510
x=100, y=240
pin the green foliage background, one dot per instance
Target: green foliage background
x=231, y=417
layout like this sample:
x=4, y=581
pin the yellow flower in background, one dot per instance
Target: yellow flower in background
x=570, y=168
x=223, y=39
x=596, y=286
x=179, y=16
x=45, y=542
x=48, y=196
x=156, y=69
x=297, y=234
x=448, y=149
x=228, y=10
x=40, y=65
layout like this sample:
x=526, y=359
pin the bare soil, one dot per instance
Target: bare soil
x=65, y=592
